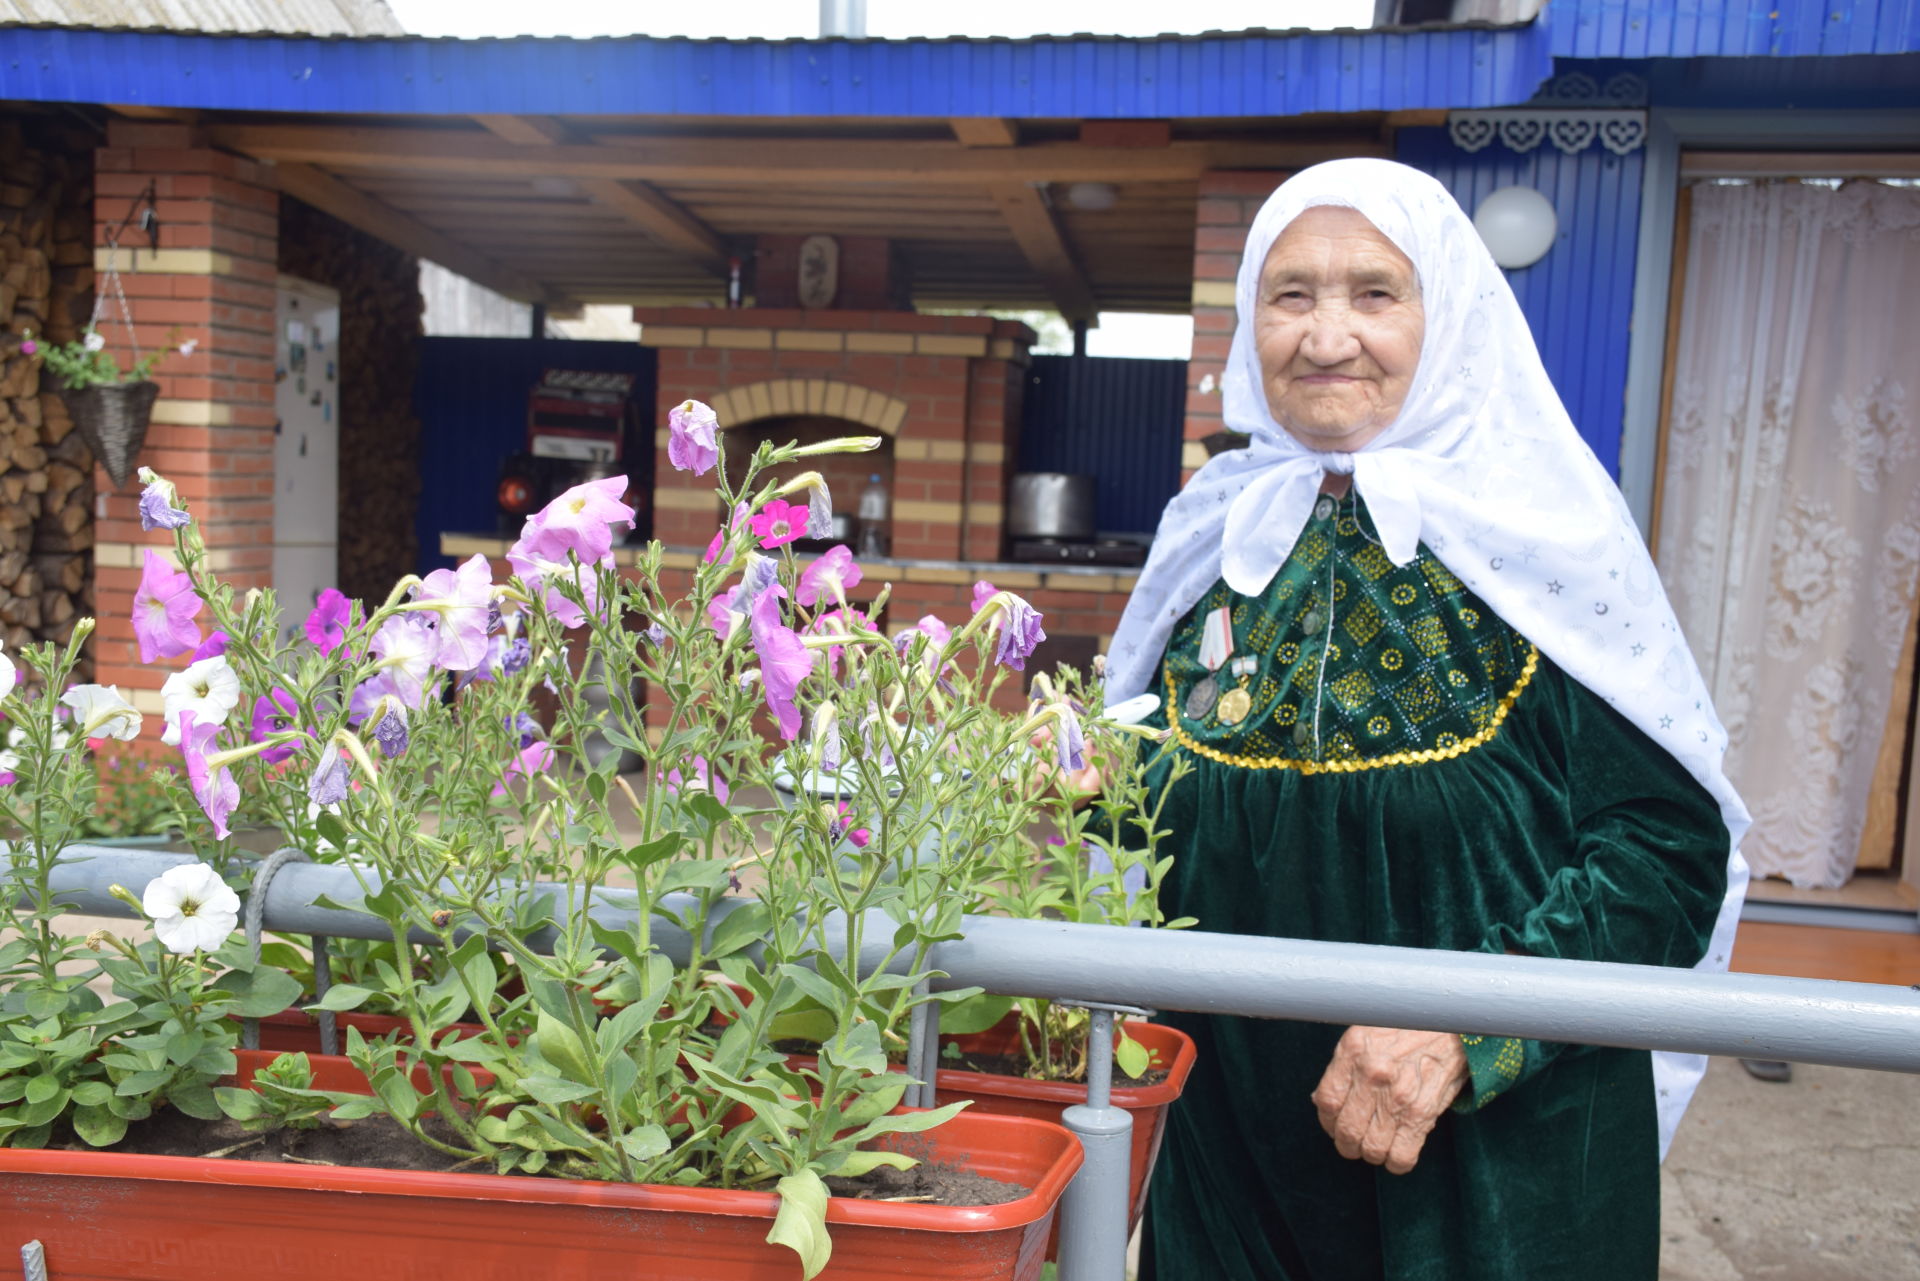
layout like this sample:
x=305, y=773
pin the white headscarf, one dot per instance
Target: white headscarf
x=1483, y=466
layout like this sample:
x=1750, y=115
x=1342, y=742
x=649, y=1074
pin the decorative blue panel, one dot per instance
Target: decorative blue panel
x=1579, y=298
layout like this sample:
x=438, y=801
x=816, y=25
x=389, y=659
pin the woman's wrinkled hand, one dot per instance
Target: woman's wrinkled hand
x=1385, y=1090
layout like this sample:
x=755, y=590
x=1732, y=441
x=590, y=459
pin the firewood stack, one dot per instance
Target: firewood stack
x=46, y=469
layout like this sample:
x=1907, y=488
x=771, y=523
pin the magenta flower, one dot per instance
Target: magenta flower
x=536, y=759
x=1020, y=632
x=163, y=608
x=274, y=713
x=837, y=622
x=156, y=511
x=780, y=523
x=784, y=661
x=216, y=790
x=462, y=599
x=212, y=647
x=581, y=520
x=702, y=777
x=828, y=577
x=719, y=542
x=983, y=591
x=721, y=613
x=27, y=347
x=327, y=624
x=841, y=825
x=691, y=445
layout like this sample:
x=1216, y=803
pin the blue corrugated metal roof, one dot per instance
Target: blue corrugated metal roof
x=1732, y=28
x=1076, y=77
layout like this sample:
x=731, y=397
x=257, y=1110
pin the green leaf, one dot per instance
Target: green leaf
x=241, y=1105
x=597, y=788
x=801, y=1223
x=354, y=1109
x=343, y=996
x=742, y=927
x=647, y=853
x=883, y=1097
x=397, y=1094
x=91, y=1094
x=476, y=967
x=553, y=1090
x=707, y=806
x=859, y=1163
x=976, y=1013
x=46, y=1002
x=182, y=1046
x=41, y=1088
x=619, y=942
x=99, y=1126
x=710, y=874
x=196, y=1100
x=41, y=1113
x=560, y=1046
x=645, y=1142
x=263, y=992
x=810, y=1024
x=331, y=829
x=214, y=1060
x=860, y=1050
x=1131, y=1057
x=909, y=1122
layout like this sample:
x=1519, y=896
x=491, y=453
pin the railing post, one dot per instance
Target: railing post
x=1093, y=1213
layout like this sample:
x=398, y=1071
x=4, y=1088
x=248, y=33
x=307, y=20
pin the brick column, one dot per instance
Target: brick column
x=1229, y=200
x=212, y=278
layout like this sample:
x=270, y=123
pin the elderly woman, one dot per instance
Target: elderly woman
x=1436, y=698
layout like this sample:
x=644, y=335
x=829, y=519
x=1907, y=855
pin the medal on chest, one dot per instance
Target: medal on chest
x=1216, y=646
x=1237, y=702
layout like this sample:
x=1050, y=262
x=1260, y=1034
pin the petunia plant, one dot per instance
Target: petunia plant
x=817, y=804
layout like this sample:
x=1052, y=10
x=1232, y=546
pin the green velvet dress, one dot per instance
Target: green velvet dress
x=1448, y=788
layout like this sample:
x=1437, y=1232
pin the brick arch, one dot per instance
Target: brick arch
x=826, y=397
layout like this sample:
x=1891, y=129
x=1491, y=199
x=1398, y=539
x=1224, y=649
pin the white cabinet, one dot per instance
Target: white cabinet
x=306, y=448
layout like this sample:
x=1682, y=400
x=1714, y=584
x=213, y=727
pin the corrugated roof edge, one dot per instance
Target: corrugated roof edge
x=1427, y=28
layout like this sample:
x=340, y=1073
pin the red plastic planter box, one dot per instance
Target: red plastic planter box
x=104, y=1216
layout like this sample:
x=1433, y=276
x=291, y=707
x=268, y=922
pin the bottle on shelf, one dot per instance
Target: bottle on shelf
x=873, y=517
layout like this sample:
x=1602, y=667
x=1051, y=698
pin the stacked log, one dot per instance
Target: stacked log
x=46, y=470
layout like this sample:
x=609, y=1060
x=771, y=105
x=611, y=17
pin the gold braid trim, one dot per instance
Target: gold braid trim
x=1460, y=748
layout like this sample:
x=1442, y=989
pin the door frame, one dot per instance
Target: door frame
x=1669, y=132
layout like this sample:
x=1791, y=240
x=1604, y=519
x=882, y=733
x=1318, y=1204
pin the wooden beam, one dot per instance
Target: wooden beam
x=356, y=208
x=471, y=153
x=638, y=203
x=985, y=131
x=140, y=111
x=1038, y=234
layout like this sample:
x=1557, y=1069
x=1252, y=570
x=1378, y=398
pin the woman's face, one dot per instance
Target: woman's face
x=1338, y=325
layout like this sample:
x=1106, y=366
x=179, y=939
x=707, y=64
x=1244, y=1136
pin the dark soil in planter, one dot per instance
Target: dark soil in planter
x=378, y=1142
x=1016, y=1065
x=935, y=1184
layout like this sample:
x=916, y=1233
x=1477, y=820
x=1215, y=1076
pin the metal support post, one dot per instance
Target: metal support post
x=1094, y=1211
x=923, y=1052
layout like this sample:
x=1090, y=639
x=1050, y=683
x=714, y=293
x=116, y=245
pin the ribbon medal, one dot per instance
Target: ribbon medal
x=1237, y=702
x=1216, y=646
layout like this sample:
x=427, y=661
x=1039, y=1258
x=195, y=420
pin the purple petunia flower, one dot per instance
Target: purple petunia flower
x=819, y=512
x=274, y=714
x=581, y=520
x=164, y=605
x=390, y=727
x=540, y=557
x=216, y=790
x=784, y=660
x=404, y=646
x=327, y=785
x=462, y=599
x=212, y=647
x=156, y=509
x=1020, y=632
x=525, y=726
x=327, y=624
x=828, y=577
x=699, y=778
x=1069, y=741
x=761, y=573
x=657, y=635
x=531, y=760
x=691, y=444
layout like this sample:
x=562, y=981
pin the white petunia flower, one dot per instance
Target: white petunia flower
x=99, y=710
x=93, y=341
x=208, y=689
x=192, y=909
x=8, y=676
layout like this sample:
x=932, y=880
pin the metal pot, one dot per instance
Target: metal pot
x=1050, y=504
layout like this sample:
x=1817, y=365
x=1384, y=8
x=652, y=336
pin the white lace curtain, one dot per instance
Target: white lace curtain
x=1790, y=509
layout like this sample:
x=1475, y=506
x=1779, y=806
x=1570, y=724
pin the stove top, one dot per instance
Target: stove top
x=1102, y=551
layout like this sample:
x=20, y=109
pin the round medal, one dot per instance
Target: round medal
x=1234, y=706
x=1201, y=697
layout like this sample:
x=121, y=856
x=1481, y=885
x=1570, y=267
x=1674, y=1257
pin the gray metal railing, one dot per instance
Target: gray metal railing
x=1862, y=1025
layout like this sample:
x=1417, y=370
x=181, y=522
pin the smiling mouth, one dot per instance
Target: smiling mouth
x=1326, y=380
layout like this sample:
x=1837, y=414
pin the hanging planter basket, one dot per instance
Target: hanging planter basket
x=112, y=418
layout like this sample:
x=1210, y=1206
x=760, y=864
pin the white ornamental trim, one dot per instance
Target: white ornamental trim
x=1620, y=132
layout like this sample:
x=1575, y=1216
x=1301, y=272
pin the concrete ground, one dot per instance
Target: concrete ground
x=1816, y=1180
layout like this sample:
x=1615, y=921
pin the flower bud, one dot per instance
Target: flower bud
x=442, y=919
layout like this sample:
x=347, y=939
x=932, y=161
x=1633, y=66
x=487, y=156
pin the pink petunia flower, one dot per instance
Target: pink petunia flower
x=837, y=622
x=702, y=777
x=691, y=445
x=784, y=661
x=841, y=825
x=540, y=558
x=779, y=523
x=164, y=606
x=828, y=577
x=536, y=758
x=722, y=614
x=462, y=599
x=581, y=520
x=216, y=790
x=212, y=647
x=327, y=624
x=983, y=591
x=719, y=542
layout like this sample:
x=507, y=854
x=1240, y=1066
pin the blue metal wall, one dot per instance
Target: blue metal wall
x=1579, y=298
x=471, y=398
x=1116, y=420
x=1731, y=28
